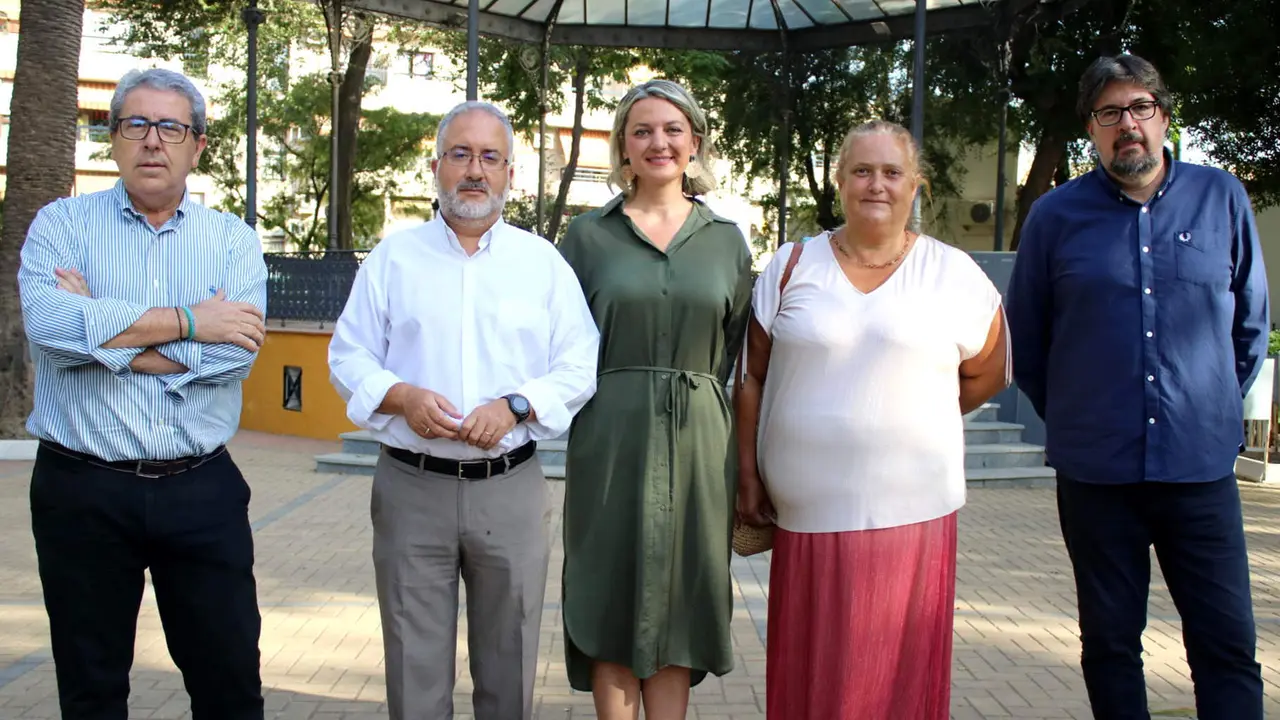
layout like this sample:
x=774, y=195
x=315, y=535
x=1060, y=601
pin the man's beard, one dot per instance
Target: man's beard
x=1135, y=164
x=454, y=206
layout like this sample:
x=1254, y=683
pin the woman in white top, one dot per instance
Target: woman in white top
x=851, y=439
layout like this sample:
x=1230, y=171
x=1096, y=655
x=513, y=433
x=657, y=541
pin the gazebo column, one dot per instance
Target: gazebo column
x=473, y=48
x=917, y=96
x=784, y=139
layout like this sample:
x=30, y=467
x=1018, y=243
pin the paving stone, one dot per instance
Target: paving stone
x=1016, y=642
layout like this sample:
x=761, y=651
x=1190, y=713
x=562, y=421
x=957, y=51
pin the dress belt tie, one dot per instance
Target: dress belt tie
x=678, y=392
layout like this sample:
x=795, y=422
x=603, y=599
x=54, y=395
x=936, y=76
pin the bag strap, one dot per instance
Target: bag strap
x=786, y=272
x=782, y=285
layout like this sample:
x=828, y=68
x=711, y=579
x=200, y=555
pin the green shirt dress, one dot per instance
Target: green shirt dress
x=651, y=474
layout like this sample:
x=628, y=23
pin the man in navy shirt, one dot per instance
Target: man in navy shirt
x=1138, y=316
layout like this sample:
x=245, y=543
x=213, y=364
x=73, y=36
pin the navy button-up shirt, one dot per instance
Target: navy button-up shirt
x=1136, y=329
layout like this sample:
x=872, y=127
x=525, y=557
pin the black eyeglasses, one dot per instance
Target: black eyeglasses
x=1141, y=110
x=461, y=157
x=171, y=132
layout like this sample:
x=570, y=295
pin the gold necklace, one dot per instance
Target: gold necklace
x=870, y=266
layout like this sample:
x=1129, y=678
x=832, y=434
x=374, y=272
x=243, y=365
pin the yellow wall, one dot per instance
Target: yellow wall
x=323, y=413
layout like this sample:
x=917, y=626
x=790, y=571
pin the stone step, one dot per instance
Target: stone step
x=988, y=433
x=359, y=442
x=986, y=413
x=552, y=452
x=1034, y=477
x=343, y=463
x=989, y=446
x=1003, y=455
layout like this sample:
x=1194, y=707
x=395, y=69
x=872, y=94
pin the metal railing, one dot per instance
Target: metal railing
x=93, y=133
x=310, y=286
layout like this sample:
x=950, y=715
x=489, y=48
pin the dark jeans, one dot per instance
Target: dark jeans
x=97, y=530
x=1198, y=534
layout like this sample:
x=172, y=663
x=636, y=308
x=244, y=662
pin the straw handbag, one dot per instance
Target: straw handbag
x=750, y=540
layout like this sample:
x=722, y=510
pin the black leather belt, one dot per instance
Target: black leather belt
x=465, y=469
x=141, y=468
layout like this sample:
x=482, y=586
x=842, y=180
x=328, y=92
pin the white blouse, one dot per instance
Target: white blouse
x=860, y=424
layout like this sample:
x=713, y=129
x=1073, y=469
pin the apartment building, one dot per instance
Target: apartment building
x=421, y=79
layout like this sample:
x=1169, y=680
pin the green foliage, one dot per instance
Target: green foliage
x=521, y=211
x=293, y=114
x=510, y=74
x=1273, y=344
x=1219, y=59
x=829, y=92
x=296, y=147
x=198, y=32
x=1222, y=62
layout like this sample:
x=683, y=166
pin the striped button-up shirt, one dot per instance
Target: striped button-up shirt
x=86, y=396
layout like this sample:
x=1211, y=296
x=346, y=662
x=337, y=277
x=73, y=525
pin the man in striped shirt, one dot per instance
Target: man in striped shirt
x=144, y=312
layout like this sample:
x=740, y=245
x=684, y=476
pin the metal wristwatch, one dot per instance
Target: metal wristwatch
x=519, y=406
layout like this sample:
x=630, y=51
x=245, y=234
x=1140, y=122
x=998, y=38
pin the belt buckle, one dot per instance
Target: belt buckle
x=138, y=471
x=488, y=466
x=464, y=463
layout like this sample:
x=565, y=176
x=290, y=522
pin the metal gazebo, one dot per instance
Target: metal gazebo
x=783, y=26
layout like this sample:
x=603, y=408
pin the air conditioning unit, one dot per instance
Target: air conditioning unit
x=982, y=212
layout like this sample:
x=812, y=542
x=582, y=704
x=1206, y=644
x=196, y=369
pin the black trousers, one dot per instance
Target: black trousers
x=96, y=531
x=1198, y=534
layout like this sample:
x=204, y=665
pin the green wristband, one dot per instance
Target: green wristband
x=191, y=323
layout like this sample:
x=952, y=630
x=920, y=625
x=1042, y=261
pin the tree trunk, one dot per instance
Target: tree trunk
x=823, y=196
x=1049, y=154
x=580, y=70
x=1063, y=174
x=41, y=168
x=350, y=97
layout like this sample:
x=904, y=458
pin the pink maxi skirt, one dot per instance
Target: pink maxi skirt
x=860, y=623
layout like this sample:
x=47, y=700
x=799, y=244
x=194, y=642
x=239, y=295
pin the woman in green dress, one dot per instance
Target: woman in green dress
x=651, y=469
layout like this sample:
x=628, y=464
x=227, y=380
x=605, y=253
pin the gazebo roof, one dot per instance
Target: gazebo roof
x=701, y=24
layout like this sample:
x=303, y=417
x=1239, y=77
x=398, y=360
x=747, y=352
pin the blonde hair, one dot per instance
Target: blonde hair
x=915, y=164
x=698, y=178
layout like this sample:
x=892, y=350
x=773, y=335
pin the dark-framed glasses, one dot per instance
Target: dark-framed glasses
x=136, y=128
x=461, y=157
x=1141, y=110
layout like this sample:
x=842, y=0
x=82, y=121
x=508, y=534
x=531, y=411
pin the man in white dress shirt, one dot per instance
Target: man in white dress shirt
x=464, y=341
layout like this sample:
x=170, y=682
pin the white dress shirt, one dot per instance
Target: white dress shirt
x=509, y=319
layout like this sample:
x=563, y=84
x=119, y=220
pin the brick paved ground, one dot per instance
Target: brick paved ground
x=1015, y=649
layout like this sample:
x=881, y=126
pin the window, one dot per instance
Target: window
x=422, y=64
x=591, y=175
x=93, y=133
x=196, y=197
x=273, y=241
x=91, y=126
x=195, y=57
x=315, y=38
x=274, y=166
